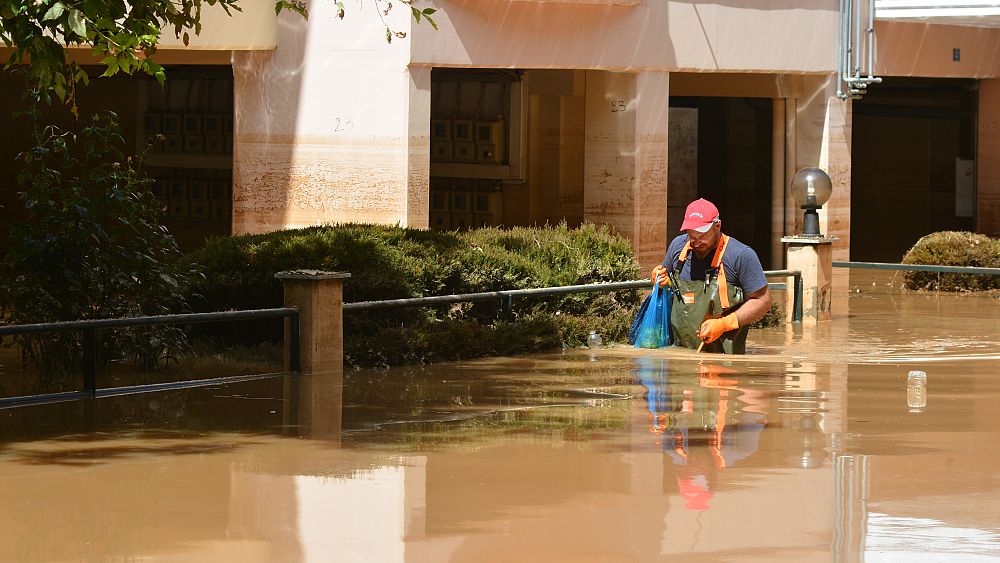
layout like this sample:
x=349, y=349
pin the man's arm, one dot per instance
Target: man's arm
x=755, y=307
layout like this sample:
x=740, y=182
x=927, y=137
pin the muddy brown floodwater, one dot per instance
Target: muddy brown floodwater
x=804, y=450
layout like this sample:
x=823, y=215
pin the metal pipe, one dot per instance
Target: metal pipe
x=919, y=268
x=840, y=53
x=856, y=39
x=46, y=399
x=153, y=387
x=496, y=295
x=187, y=318
x=503, y=296
x=51, y=398
x=871, y=39
x=848, y=43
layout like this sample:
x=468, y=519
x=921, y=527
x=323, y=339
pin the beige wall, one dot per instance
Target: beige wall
x=253, y=27
x=740, y=35
x=922, y=49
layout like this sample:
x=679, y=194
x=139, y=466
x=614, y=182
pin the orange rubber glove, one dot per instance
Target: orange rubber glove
x=660, y=273
x=712, y=329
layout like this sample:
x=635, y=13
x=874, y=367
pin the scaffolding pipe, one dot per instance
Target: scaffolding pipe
x=856, y=39
x=853, y=84
x=871, y=39
x=840, y=51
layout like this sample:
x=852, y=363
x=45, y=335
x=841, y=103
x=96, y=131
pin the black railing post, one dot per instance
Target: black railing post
x=798, y=298
x=294, y=353
x=507, y=306
x=90, y=360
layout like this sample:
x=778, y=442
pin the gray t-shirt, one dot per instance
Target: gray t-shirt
x=740, y=262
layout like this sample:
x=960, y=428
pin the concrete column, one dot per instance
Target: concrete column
x=777, y=181
x=332, y=126
x=416, y=204
x=823, y=140
x=625, y=148
x=320, y=299
x=813, y=256
x=988, y=159
x=791, y=110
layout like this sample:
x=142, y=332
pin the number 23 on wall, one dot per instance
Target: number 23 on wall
x=618, y=106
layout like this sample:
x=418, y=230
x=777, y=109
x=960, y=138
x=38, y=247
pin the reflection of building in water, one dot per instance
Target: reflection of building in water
x=732, y=442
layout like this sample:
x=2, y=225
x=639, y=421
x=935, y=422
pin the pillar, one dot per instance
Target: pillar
x=319, y=297
x=823, y=139
x=330, y=127
x=813, y=257
x=987, y=197
x=625, y=165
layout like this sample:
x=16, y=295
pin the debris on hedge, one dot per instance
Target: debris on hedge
x=953, y=248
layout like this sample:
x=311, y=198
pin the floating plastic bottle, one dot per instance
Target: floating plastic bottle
x=916, y=390
x=594, y=340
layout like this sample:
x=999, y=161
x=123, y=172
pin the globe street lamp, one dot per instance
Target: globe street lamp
x=811, y=188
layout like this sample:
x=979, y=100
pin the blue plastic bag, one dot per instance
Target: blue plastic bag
x=651, y=328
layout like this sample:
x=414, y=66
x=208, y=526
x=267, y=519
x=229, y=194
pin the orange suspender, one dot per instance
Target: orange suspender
x=716, y=263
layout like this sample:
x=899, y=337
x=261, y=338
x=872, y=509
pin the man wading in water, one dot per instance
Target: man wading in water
x=714, y=305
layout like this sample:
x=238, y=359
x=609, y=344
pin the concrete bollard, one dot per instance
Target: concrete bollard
x=813, y=256
x=320, y=298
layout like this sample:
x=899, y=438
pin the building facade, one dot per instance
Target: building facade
x=618, y=112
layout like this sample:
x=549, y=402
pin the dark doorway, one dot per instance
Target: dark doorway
x=725, y=158
x=912, y=164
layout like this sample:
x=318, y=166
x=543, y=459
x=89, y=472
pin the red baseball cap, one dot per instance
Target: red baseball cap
x=695, y=492
x=700, y=215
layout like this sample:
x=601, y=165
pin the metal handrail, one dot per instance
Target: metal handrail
x=920, y=268
x=91, y=326
x=506, y=297
x=182, y=318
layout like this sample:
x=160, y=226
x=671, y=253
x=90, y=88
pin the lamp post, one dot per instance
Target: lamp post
x=811, y=188
x=810, y=252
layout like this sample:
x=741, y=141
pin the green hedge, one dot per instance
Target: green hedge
x=392, y=263
x=952, y=248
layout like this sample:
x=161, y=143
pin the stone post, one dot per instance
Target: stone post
x=813, y=256
x=320, y=298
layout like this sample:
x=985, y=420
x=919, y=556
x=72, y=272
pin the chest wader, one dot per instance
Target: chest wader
x=700, y=300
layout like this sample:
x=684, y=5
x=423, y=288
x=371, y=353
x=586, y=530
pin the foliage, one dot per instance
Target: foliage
x=91, y=247
x=123, y=35
x=953, y=248
x=392, y=263
x=772, y=318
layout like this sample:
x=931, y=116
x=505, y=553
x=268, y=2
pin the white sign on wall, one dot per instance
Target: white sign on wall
x=965, y=187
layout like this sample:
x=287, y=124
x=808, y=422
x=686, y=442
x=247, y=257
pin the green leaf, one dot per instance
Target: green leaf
x=77, y=24
x=112, y=63
x=54, y=12
x=432, y=22
x=429, y=11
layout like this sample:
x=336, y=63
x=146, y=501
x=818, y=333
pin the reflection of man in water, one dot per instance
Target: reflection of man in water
x=707, y=424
